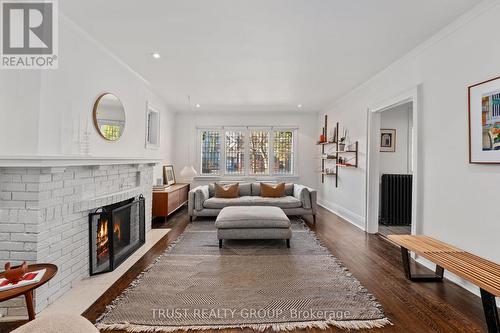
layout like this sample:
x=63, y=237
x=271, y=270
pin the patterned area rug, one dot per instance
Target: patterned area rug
x=254, y=284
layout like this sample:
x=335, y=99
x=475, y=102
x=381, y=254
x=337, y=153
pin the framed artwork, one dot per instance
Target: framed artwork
x=168, y=175
x=388, y=140
x=484, y=122
x=152, y=127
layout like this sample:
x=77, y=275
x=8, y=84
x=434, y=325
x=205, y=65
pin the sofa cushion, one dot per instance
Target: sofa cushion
x=283, y=202
x=252, y=217
x=211, y=190
x=256, y=187
x=288, y=188
x=243, y=188
x=226, y=191
x=272, y=191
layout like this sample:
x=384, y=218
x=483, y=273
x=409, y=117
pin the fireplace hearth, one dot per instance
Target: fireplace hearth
x=116, y=231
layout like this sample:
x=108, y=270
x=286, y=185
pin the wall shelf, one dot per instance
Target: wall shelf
x=347, y=160
x=344, y=151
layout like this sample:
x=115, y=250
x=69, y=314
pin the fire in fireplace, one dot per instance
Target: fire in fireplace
x=116, y=231
x=102, y=241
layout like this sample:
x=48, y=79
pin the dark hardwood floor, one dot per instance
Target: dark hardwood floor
x=412, y=307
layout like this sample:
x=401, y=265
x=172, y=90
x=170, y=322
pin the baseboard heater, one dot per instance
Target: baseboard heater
x=395, y=203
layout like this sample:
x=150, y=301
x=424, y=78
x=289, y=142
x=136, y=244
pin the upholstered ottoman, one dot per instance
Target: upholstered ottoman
x=253, y=222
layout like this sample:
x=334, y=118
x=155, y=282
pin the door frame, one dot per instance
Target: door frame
x=373, y=159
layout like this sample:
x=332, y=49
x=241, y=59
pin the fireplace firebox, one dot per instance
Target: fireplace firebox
x=115, y=232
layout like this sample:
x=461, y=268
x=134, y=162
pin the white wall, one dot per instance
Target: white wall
x=398, y=118
x=44, y=110
x=186, y=138
x=460, y=200
x=19, y=105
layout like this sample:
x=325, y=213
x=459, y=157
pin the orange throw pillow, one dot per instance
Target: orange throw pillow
x=272, y=191
x=226, y=191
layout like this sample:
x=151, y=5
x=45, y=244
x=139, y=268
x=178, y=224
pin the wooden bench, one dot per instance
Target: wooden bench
x=483, y=273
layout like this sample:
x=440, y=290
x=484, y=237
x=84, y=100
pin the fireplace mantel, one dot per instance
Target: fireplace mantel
x=71, y=160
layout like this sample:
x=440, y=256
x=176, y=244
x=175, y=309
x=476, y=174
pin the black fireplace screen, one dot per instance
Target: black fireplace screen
x=115, y=232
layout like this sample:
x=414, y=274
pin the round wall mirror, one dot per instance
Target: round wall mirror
x=109, y=116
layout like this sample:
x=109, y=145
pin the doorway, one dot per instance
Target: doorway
x=392, y=175
x=395, y=167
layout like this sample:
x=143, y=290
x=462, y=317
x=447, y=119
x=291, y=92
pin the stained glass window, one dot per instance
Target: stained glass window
x=235, y=152
x=283, y=152
x=210, y=152
x=224, y=152
x=259, y=153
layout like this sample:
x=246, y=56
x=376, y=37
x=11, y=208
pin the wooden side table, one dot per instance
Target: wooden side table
x=27, y=291
x=168, y=200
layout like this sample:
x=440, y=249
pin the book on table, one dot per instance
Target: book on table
x=28, y=278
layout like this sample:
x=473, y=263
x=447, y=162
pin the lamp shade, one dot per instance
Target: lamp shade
x=188, y=172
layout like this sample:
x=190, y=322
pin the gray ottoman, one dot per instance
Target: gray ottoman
x=253, y=222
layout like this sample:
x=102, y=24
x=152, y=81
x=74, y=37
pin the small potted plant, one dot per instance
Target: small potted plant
x=343, y=140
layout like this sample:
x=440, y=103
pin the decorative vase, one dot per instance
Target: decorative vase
x=322, y=138
x=341, y=146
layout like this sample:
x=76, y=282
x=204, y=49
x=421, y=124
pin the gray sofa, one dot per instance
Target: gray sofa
x=298, y=200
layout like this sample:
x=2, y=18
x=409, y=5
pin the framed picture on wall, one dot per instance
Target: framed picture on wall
x=388, y=140
x=152, y=127
x=484, y=122
x=169, y=175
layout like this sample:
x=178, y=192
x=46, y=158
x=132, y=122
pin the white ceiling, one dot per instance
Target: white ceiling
x=260, y=55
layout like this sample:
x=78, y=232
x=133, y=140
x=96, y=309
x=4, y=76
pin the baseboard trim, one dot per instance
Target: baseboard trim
x=344, y=213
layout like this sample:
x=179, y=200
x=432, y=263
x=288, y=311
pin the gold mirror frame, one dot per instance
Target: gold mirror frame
x=97, y=125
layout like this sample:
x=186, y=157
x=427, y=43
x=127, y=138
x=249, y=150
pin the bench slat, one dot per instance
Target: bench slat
x=484, y=273
x=464, y=268
x=422, y=244
x=478, y=261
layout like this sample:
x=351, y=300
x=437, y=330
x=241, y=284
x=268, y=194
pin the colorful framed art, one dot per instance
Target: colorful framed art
x=484, y=122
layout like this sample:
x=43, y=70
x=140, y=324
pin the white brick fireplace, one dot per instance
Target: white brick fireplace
x=44, y=207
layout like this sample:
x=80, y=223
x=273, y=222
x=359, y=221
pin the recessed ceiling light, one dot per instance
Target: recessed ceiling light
x=299, y=105
x=198, y=105
x=156, y=55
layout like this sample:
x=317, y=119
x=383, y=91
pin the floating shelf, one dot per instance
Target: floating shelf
x=351, y=162
x=344, y=151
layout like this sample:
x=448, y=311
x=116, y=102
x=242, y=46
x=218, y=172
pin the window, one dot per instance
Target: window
x=210, y=152
x=241, y=151
x=283, y=152
x=235, y=153
x=259, y=153
x=111, y=132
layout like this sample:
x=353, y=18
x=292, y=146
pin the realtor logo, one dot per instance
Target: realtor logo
x=29, y=34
